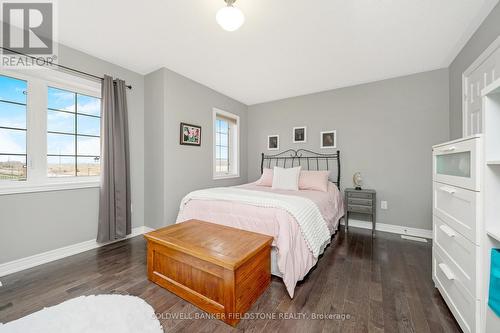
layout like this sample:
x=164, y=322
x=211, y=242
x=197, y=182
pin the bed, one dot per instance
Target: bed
x=271, y=212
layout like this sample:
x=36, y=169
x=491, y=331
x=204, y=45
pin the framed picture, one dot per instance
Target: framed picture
x=190, y=135
x=273, y=142
x=328, y=139
x=299, y=134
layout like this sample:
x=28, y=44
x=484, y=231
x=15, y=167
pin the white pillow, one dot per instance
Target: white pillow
x=286, y=179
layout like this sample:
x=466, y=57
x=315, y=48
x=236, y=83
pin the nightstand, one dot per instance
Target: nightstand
x=362, y=202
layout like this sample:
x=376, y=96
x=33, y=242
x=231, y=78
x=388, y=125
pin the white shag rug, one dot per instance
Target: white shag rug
x=96, y=314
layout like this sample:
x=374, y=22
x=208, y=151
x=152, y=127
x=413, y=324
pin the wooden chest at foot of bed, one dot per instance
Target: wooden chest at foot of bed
x=219, y=269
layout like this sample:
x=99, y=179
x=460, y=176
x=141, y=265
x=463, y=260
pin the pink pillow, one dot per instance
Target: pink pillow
x=314, y=180
x=266, y=179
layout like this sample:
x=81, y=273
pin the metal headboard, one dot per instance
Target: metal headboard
x=309, y=160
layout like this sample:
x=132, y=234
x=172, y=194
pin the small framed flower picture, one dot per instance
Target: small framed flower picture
x=299, y=134
x=328, y=139
x=273, y=142
x=190, y=135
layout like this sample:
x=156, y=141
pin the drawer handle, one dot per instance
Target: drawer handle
x=446, y=271
x=452, y=148
x=447, y=230
x=448, y=190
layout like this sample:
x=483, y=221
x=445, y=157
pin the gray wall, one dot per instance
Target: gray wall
x=154, y=147
x=385, y=130
x=482, y=38
x=178, y=99
x=37, y=222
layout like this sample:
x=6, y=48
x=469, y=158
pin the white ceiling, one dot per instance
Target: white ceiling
x=285, y=48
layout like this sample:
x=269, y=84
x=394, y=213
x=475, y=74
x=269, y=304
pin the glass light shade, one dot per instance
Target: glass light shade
x=230, y=18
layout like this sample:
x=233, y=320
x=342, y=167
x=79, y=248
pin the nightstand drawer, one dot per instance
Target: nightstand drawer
x=362, y=202
x=360, y=195
x=360, y=209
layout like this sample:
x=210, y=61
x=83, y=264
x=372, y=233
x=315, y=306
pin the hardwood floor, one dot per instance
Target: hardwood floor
x=379, y=285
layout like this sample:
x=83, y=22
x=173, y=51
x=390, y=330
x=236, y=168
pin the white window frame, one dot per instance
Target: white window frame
x=234, y=145
x=38, y=82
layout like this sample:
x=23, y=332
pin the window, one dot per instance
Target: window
x=13, y=128
x=73, y=134
x=49, y=131
x=222, y=146
x=226, y=137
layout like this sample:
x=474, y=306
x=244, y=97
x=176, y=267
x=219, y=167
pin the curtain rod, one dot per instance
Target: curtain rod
x=47, y=64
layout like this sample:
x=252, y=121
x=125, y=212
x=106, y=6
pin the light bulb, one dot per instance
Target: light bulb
x=230, y=18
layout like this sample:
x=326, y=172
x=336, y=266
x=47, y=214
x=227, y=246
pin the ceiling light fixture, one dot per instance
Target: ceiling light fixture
x=230, y=18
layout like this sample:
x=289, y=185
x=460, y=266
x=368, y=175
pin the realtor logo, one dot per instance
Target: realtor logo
x=28, y=33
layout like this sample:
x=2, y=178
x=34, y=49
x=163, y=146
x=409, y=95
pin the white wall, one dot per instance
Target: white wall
x=38, y=222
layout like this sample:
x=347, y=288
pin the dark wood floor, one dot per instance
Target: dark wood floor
x=379, y=285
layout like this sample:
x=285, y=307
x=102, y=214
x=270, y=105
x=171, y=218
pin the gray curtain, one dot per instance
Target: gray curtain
x=114, y=201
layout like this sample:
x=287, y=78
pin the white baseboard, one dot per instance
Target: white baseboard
x=45, y=257
x=415, y=239
x=395, y=229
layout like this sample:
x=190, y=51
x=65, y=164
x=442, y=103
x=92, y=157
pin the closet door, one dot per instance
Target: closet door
x=472, y=103
x=481, y=73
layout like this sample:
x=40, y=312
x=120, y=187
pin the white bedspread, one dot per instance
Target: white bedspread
x=308, y=216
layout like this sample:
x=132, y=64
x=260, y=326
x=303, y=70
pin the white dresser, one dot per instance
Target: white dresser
x=458, y=228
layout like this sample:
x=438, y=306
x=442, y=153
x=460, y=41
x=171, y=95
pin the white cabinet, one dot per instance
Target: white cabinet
x=458, y=228
x=491, y=178
x=472, y=206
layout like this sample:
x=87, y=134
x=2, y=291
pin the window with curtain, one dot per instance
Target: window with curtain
x=225, y=144
x=49, y=131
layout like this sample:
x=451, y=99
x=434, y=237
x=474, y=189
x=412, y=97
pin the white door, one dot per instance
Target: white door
x=473, y=106
x=481, y=73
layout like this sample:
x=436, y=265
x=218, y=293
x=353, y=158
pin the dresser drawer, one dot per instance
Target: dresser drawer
x=359, y=209
x=462, y=304
x=360, y=195
x=357, y=201
x=458, y=163
x=458, y=249
x=459, y=208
